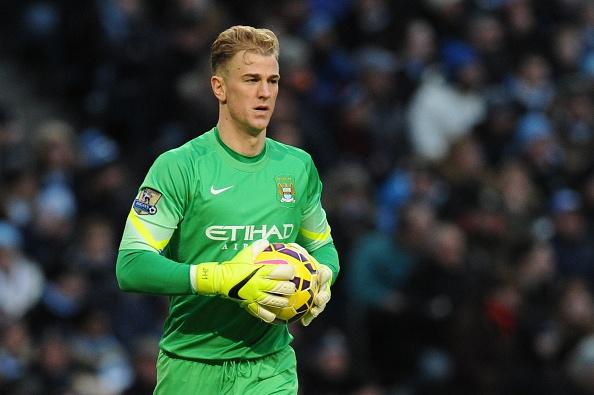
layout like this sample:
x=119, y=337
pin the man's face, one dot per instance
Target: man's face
x=250, y=83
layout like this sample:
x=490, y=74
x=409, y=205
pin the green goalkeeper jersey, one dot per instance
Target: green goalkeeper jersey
x=203, y=202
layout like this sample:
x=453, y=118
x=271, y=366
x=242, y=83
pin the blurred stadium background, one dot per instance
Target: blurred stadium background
x=455, y=139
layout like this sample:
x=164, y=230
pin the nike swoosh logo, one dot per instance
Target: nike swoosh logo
x=234, y=292
x=215, y=191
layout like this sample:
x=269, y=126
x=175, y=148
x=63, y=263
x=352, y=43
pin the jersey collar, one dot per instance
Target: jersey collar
x=236, y=160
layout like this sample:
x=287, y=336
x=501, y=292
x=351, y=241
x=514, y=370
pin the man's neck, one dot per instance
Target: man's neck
x=241, y=141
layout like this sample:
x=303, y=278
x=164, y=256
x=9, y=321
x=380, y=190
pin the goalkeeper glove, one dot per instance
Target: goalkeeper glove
x=255, y=286
x=322, y=297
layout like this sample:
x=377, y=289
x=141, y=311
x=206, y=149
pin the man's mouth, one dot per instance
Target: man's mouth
x=261, y=108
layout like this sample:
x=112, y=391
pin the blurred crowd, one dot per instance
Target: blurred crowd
x=455, y=140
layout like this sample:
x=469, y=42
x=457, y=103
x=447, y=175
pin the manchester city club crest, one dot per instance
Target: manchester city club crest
x=286, y=190
x=146, y=202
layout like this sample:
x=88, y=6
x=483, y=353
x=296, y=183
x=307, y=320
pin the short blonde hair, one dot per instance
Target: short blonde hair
x=242, y=38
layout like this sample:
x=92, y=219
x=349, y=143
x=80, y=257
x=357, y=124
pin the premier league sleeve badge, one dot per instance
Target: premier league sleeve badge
x=146, y=202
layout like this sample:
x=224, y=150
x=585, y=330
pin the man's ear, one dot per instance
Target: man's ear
x=217, y=84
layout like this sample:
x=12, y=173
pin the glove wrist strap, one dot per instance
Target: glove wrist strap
x=203, y=278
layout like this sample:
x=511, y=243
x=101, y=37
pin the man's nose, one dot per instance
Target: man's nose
x=264, y=89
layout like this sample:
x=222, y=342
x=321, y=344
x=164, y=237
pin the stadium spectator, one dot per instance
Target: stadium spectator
x=447, y=106
x=378, y=275
x=21, y=281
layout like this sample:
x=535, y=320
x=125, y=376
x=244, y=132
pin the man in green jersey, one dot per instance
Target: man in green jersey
x=202, y=214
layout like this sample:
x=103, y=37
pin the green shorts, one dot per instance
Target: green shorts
x=272, y=374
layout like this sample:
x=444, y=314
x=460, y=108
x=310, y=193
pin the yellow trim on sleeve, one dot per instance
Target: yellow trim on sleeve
x=315, y=236
x=145, y=233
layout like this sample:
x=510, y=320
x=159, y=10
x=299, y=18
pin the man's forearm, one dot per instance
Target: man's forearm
x=148, y=272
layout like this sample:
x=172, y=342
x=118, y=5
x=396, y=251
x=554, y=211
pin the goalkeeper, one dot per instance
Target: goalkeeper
x=204, y=211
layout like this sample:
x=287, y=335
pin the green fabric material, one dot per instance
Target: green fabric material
x=200, y=203
x=274, y=374
x=147, y=272
x=328, y=256
x=238, y=156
